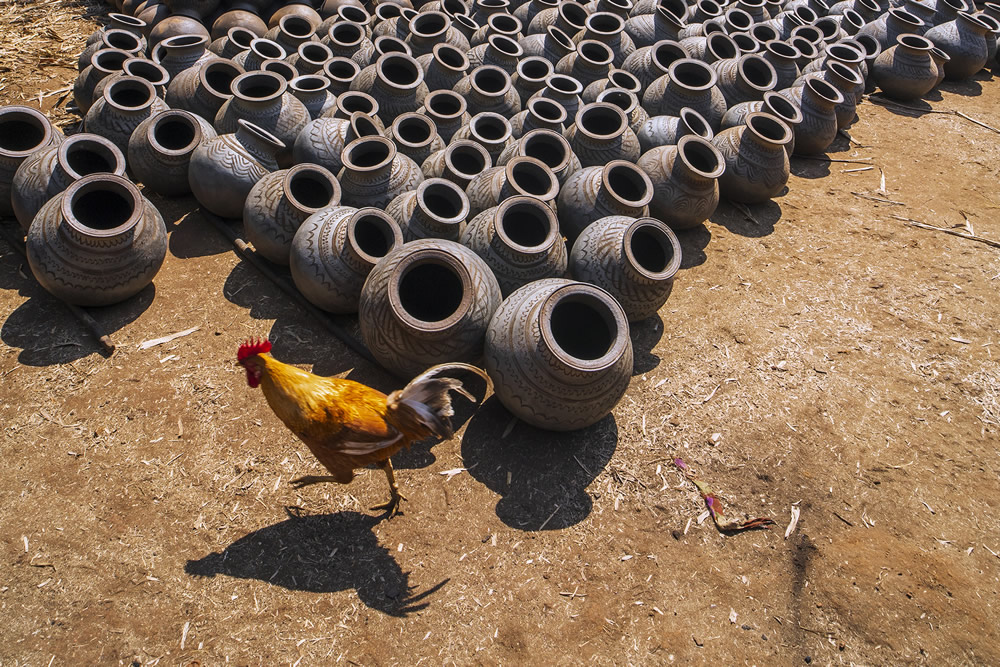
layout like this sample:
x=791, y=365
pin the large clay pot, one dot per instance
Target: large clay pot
x=236, y=41
x=262, y=98
x=529, y=77
x=310, y=58
x=649, y=63
x=783, y=58
x=964, y=40
x=519, y=240
x=160, y=149
x=817, y=100
x=182, y=52
x=685, y=181
x=348, y=40
x=415, y=136
x=427, y=302
x=688, y=83
x=50, y=170
x=849, y=82
x=224, y=170
x=335, y=249
x=23, y=132
x=436, y=209
x=429, y=28
x=559, y=354
x=341, y=72
x=448, y=110
x=553, y=44
x=97, y=243
x=489, y=130
x=744, y=78
x=261, y=51
x=396, y=82
x=906, y=71
x=634, y=259
x=626, y=100
x=893, y=23
x=238, y=18
x=312, y=91
x=488, y=89
x=647, y=29
x=300, y=8
x=291, y=32
x=601, y=134
x=710, y=48
x=565, y=91
x=462, y=161
x=142, y=68
x=617, y=188
x=940, y=58
x=539, y=114
x=444, y=67
x=374, y=172
x=520, y=176
x=123, y=106
x=668, y=130
x=756, y=162
x=117, y=40
x=279, y=203
x=104, y=63
x=617, y=79
x=568, y=17
x=591, y=61
x=608, y=29
x=498, y=25
x=773, y=103
x=322, y=141
x=547, y=146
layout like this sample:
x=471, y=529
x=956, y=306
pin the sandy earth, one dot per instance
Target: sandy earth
x=817, y=352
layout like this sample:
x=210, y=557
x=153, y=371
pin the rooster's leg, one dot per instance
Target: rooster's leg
x=393, y=505
x=306, y=480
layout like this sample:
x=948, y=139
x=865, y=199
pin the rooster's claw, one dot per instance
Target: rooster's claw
x=391, y=507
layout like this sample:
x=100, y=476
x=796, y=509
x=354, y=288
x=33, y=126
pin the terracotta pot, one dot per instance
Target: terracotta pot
x=488, y=89
x=279, y=203
x=649, y=63
x=940, y=58
x=893, y=23
x=783, y=58
x=142, y=68
x=847, y=81
x=540, y=113
x=626, y=100
x=520, y=241
x=757, y=166
x=617, y=188
x=552, y=44
x=547, y=146
x=415, y=136
x=312, y=91
x=427, y=29
x=160, y=149
x=396, y=82
x=689, y=83
x=462, y=161
x=591, y=62
x=335, y=249
x=565, y=91
x=322, y=141
x=744, y=78
x=711, y=48
x=964, y=40
x=633, y=259
x=50, y=170
x=310, y=58
x=238, y=18
x=817, y=100
x=569, y=17
x=224, y=170
x=119, y=40
x=176, y=54
x=374, y=172
x=427, y=302
x=119, y=21
x=341, y=72
x=490, y=130
x=236, y=41
x=668, y=130
x=559, y=354
x=906, y=71
x=105, y=62
x=601, y=134
x=203, y=90
x=530, y=9
x=261, y=50
x=444, y=67
x=97, y=243
x=647, y=29
x=685, y=181
x=437, y=209
x=448, y=110
x=262, y=98
x=520, y=176
x=500, y=51
x=125, y=103
x=291, y=32
x=348, y=40
x=529, y=76
x=498, y=25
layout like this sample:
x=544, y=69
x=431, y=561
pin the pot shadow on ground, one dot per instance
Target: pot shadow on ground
x=693, y=243
x=645, y=334
x=191, y=235
x=972, y=87
x=752, y=221
x=322, y=553
x=542, y=476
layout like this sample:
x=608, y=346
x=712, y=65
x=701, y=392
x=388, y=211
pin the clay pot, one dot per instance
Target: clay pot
x=569, y=17
x=906, y=71
x=142, y=68
x=301, y=9
x=547, y=146
x=203, y=90
x=500, y=51
x=261, y=50
x=940, y=58
x=436, y=209
x=341, y=72
x=263, y=99
x=539, y=114
x=689, y=83
x=559, y=354
x=374, y=172
x=396, y=82
x=488, y=89
x=529, y=77
x=757, y=166
x=817, y=100
x=617, y=188
x=520, y=176
x=647, y=29
x=490, y=130
x=520, y=241
x=890, y=25
x=312, y=91
x=444, y=67
x=744, y=78
x=601, y=134
x=448, y=110
x=964, y=40
x=427, y=302
x=335, y=249
x=118, y=40
x=649, y=63
x=617, y=78
x=50, y=170
x=279, y=203
x=608, y=29
x=685, y=181
x=711, y=48
x=348, y=40
x=291, y=32
x=498, y=25
x=847, y=81
x=224, y=170
x=125, y=104
x=160, y=149
x=310, y=58
x=462, y=161
x=565, y=91
x=236, y=41
x=352, y=102
x=552, y=44
x=322, y=141
x=668, y=130
x=591, y=61
x=97, y=243
x=179, y=53
x=783, y=58
x=633, y=259
x=626, y=100
x=238, y=18
x=104, y=63
x=427, y=29
x=528, y=10
x=415, y=136
x=119, y=21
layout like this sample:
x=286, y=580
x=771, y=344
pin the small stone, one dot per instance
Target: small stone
x=809, y=660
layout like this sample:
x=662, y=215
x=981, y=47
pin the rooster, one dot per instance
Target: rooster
x=348, y=425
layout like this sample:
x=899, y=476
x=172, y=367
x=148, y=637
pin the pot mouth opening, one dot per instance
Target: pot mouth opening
x=465, y=20
x=764, y=33
x=739, y=19
x=809, y=32
x=701, y=156
x=433, y=289
x=345, y=34
x=241, y=37
x=605, y=24
x=296, y=26
x=22, y=131
x=594, y=52
x=620, y=78
x=805, y=47
x=653, y=249
x=490, y=127
x=666, y=51
x=806, y=14
x=130, y=93
x=846, y=72
x=400, y=70
x=769, y=128
x=310, y=83
x=353, y=14
x=175, y=132
x=621, y=98
x=490, y=80
x=940, y=55
x=579, y=323
x=385, y=44
x=696, y=123
x=906, y=17
x=547, y=110
x=505, y=45
x=504, y=23
x=782, y=107
x=265, y=49
x=713, y=26
x=259, y=86
x=281, y=68
x=180, y=41
x=387, y=10
x=548, y=147
x=722, y=46
x=526, y=225
x=709, y=7
x=561, y=38
x=531, y=177
x=82, y=155
x=827, y=26
x=430, y=24
x=146, y=69
x=746, y=42
x=413, y=129
x=601, y=120
x=825, y=90
x=364, y=125
x=782, y=50
x=109, y=60
x=974, y=20
x=845, y=54
x=757, y=72
x=564, y=84
x=912, y=41
x=341, y=69
x=354, y=101
x=450, y=57
x=467, y=160
x=102, y=205
x=444, y=200
x=854, y=18
x=445, y=104
x=368, y=153
x=372, y=234
x=534, y=68
x=124, y=40
x=693, y=74
x=572, y=13
x=628, y=183
x=126, y=19
x=310, y=188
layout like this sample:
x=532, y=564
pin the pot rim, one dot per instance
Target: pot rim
x=610, y=311
x=101, y=54
x=420, y=118
x=355, y=144
x=484, y=116
x=600, y=106
x=259, y=42
x=35, y=115
x=371, y=212
x=474, y=80
x=757, y=117
x=430, y=254
x=423, y=17
x=146, y=62
x=772, y=96
x=687, y=114
x=464, y=208
x=914, y=42
x=93, y=182
x=172, y=115
x=349, y=95
x=682, y=147
x=509, y=171
x=339, y=60
x=691, y=63
x=560, y=36
x=282, y=86
x=411, y=63
x=467, y=144
x=634, y=170
x=321, y=173
x=534, y=59
x=129, y=82
x=561, y=116
x=551, y=237
x=608, y=53
x=496, y=39
x=604, y=16
x=89, y=138
x=577, y=86
x=463, y=106
x=444, y=46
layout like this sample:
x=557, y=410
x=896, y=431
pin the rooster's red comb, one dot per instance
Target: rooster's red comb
x=251, y=347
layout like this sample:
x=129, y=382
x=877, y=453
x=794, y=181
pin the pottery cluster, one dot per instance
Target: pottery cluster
x=480, y=180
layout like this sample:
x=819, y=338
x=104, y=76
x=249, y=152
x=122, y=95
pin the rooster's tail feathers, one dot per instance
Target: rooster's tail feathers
x=423, y=407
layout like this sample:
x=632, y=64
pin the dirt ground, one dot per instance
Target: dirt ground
x=816, y=352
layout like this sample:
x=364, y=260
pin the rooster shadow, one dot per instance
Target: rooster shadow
x=320, y=553
x=542, y=476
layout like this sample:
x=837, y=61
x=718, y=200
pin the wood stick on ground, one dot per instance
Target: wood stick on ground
x=950, y=112
x=85, y=319
x=878, y=199
x=972, y=237
x=247, y=253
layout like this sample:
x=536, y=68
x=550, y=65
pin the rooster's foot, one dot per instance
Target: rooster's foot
x=392, y=507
